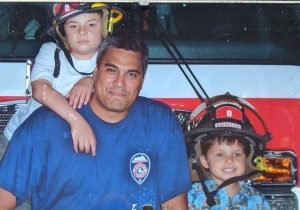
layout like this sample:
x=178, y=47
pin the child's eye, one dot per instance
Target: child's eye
x=72, y=26
x=237, y=154
x=219, y=155
x=92, y=24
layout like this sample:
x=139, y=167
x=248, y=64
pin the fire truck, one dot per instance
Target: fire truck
x=198, y=49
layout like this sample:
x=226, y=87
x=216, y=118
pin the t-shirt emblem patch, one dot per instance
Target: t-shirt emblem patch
x=139, y=167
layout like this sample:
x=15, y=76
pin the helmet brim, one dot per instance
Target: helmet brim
x=257, y=141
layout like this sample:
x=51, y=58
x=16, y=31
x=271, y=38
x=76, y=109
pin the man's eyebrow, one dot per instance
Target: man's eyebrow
x=130, y=70
x=135, y=71
x=110, y=65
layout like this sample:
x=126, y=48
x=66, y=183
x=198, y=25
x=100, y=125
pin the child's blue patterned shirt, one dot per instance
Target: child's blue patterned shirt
x=247, y=198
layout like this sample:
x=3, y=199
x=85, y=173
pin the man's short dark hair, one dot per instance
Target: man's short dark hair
x=127, y=43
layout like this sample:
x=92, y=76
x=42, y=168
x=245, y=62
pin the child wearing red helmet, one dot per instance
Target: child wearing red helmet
x=61, y=77
x=225, y=142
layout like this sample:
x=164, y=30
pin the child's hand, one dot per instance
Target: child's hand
x=83, y=137
x=81, y=92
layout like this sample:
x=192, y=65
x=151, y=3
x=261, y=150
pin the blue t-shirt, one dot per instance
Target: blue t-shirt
x=247, y=198
x=140, y=160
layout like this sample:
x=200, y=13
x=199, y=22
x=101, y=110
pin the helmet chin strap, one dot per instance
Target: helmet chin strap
x=69, y=58
x=210, y=194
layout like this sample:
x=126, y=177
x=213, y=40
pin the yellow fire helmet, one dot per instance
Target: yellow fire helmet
x=63, y=11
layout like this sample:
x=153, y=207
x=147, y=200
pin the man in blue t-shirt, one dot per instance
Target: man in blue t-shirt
x=142, y=158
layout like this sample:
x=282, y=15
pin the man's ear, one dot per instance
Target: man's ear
x=95, y=73
x=203, y=161
x=142, y=83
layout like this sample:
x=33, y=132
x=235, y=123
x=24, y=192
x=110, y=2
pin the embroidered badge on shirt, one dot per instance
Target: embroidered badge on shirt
x=139, y=167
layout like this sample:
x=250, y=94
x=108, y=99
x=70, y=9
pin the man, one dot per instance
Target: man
x=142, y=159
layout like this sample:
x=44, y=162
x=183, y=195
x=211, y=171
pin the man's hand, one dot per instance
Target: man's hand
x=81, y=92
x=7, y=200
x=177, y=203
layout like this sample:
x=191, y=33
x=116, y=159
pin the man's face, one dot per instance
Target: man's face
x=83, y=34
x=118, y=81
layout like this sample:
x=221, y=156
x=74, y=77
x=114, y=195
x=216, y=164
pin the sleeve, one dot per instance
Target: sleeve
x=20, y=166
x=44, y=63
x=173, y=169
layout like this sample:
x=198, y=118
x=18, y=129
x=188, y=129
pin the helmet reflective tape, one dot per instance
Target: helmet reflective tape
x=109, y=18
x=98, y=4
x=198, y=110
x=260, y=163
x=115, y=16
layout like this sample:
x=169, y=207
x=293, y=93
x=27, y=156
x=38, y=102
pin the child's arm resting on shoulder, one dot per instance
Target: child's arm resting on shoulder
x=81, y=92
x=7, y=200
x=82, y=134
x=177, y=203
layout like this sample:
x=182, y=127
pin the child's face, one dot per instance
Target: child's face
x=224, y=161
x=83, y=34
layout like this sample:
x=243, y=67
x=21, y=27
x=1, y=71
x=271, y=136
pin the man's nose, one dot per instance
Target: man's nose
x=120, y=79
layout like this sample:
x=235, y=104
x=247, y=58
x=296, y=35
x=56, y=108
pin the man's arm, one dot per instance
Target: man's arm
x=7, y=200
x=82, y=134
x=177, y=203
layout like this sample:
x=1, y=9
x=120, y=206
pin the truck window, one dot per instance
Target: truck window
x=220, y=31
